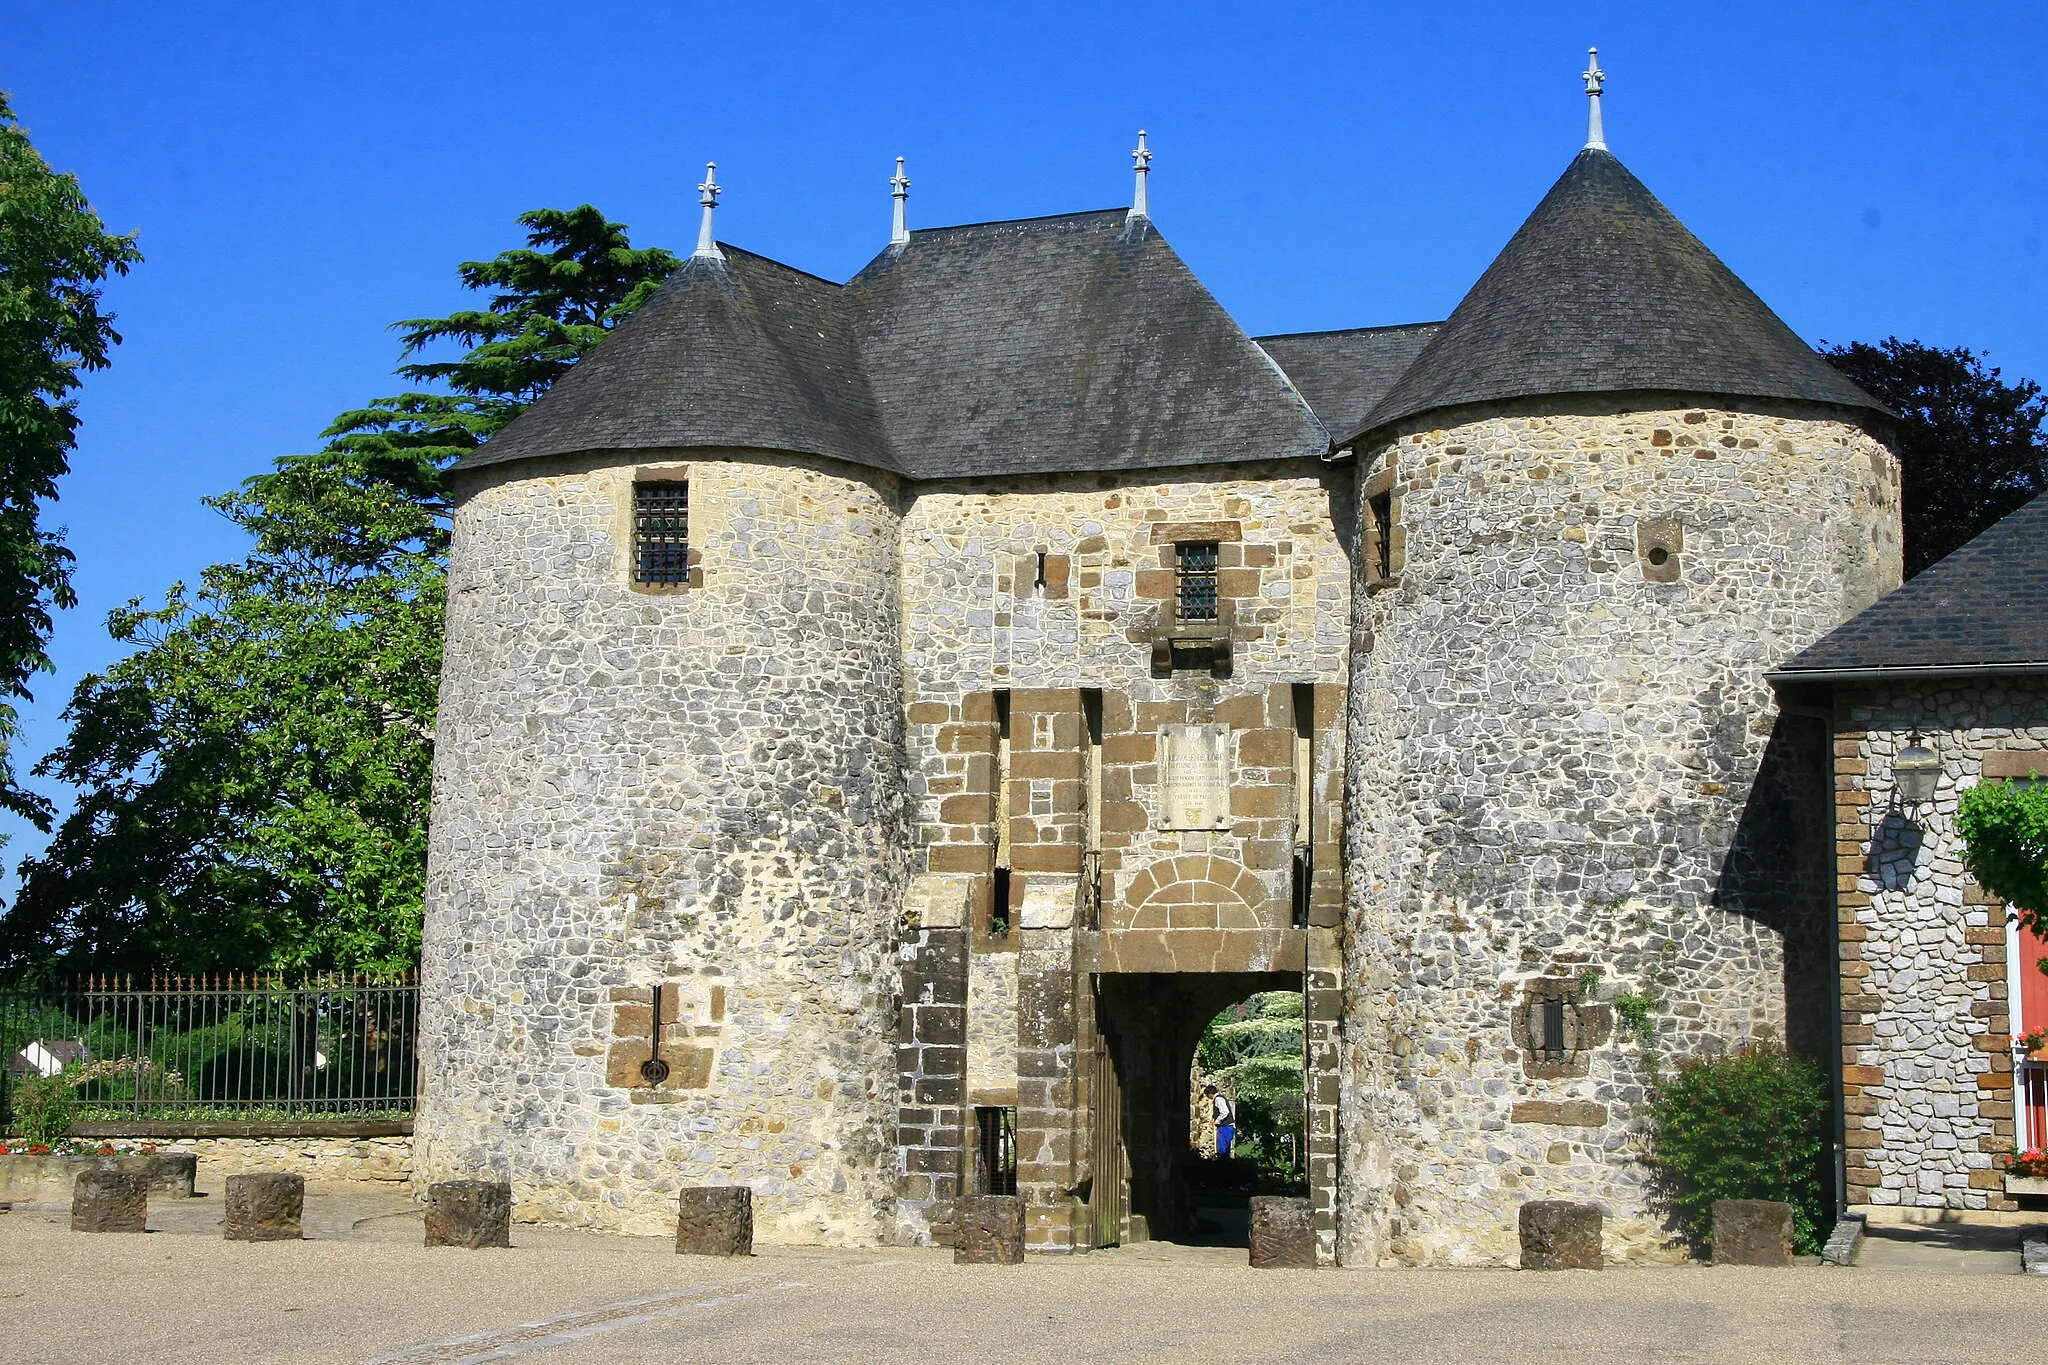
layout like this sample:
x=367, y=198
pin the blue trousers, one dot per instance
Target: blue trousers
x=1226, y=1137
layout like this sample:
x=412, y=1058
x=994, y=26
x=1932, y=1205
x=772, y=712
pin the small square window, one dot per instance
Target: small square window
x=1194, y=567
x=661, y=531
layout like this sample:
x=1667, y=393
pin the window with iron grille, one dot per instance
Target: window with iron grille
x=661, y=531
x=1194, y=566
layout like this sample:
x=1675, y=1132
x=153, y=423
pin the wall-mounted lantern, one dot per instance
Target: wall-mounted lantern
x=1916, y=772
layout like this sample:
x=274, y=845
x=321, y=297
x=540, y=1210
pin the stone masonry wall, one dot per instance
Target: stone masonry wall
x=316, y=1158
x=694, y=789
x=1927, y=1060
x=1563, y=757
x=1040, y=588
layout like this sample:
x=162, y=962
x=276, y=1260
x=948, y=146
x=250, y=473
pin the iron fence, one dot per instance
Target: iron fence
x=217, y=1048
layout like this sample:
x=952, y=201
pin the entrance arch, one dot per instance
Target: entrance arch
x=1146, y=1027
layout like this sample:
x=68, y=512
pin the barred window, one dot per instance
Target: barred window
x=661, y=531
x=1194, y=567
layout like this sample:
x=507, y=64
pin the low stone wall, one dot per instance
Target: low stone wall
x=316, y=1158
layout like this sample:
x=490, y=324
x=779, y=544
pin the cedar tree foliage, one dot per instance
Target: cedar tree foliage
x=54, y=255
x=1971, y=446
x=253, y=778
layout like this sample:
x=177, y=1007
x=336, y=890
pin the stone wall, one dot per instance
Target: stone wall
x=1030, y=594
x=1566, y=761
x=316, y=1158
x=1927, y=1060
x=692, y=789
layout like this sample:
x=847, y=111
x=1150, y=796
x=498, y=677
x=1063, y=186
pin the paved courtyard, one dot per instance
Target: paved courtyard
x=363, y=1289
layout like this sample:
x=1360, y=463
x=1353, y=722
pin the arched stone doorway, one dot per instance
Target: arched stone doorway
x=1146, y=1027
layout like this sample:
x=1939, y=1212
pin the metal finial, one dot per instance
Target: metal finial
x=1141, y=158
x=1596, y=136
x=708, y=196
x=899, y=187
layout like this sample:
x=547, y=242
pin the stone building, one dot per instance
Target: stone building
x=1939, y=982
x=883, y=722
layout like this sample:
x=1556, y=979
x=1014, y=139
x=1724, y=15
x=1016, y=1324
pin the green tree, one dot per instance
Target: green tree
x=54, y=254
x=1971, y=446
x=1253, y=1052
x=253, y=777
x=2005, y=844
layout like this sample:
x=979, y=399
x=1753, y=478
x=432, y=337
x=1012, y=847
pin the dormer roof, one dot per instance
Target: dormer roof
x=1603, y=290
x=1046, y=345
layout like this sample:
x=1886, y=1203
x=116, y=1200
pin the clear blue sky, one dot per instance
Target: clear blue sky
x=303, y=175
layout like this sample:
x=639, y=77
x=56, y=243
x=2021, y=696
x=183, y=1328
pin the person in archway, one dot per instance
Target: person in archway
x=1225, y=1114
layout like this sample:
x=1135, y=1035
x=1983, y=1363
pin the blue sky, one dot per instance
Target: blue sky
x=304, y=175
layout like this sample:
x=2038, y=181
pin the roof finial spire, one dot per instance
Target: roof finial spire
x=1141, y=158
x=899, y=187
x=708, y=197
x=1596, y=136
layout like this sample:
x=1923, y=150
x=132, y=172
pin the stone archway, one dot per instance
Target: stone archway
x=1192, y=891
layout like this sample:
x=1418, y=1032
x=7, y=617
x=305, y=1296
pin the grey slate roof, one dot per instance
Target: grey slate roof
x=1047, y=345
x=1342, y=374
x=1603, y=290
x=745, y=352
x=1984, y=606
x=1053, y=344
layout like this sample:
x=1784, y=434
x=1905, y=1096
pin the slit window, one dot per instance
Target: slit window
x=995, y=1150
x=1194, y=567
x=1381, y=507
x=661, y=531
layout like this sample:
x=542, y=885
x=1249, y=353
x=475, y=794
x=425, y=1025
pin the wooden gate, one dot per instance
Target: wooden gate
x=1109, y=1186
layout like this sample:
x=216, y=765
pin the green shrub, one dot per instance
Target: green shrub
x=1751, y=1124
x=43, y=1107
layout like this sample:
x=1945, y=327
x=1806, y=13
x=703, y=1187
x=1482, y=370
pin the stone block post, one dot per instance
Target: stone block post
x=988, y=1229
x=265, y=1207
x=105, y=1200
x=1283, y=1234
x=1047, y=831
x=715, y=1220
x=1752, y=1232
x=931, y=1070
x=1558, y=1234
x=469, y=1213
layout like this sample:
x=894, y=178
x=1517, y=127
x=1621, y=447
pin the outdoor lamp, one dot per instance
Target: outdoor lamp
x=1916, y=772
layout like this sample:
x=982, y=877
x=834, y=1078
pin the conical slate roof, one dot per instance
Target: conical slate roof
x=740, y=352
x=1048, y=345
x=1984, y=606
x=1603, y=290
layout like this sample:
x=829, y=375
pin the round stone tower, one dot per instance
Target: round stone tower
x=667, y=843
x=1613, y=491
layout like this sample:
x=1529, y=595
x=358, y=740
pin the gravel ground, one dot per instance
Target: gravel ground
x=363, y=1289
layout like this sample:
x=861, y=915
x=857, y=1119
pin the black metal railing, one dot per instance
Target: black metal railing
x=231, y=1048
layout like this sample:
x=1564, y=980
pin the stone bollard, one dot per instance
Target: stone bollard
x=469, y=1213
x=1558, y=1234
x=172, y=1173
x=1752, y=1232
x=1283, y=1233
x=265, y=1207
x=104, y=1200
x=988, y=1229
x=715, y=1220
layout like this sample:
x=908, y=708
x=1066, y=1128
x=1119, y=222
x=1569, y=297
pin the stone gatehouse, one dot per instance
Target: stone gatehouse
x=886, y=717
